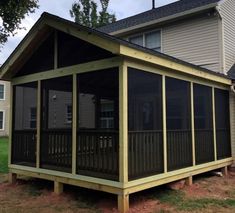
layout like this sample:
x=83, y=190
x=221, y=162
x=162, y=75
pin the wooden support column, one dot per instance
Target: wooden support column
x=38, y=125
x=123, y=199
x=192, y=125
x=224, y=171
x=214, y=123
x=189, y=181
x=12, y=177
x=74, y=143
x=164, y=122
x=58, y=188
x=123, y=203
x=11, y=120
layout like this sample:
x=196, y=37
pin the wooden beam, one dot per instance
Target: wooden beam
x=123, y=124
x=189, y=181
x=214, y=123
x=74, y=120
x=80, y=68
x=192, y=124
x=172, y=65
x=38, y=125
x=164, y=122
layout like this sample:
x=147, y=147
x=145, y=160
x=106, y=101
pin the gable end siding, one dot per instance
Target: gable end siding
x=195, y=40
x=227, y=11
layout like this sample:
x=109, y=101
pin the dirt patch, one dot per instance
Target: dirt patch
x=207, y=194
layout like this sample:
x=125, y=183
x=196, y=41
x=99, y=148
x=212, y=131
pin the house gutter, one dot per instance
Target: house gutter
x=167, y=18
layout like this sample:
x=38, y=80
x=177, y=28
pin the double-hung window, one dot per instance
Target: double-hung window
x=1, y=120
x=151, y=40
x=2, y=91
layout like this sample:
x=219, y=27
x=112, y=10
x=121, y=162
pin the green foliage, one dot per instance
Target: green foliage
x=86, y=12
x=3, y=155
x=11, y=14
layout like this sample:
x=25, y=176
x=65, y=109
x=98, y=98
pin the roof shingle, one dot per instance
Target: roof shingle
x=231, y=72
x=157, y=13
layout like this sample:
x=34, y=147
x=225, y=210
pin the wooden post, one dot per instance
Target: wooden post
x=189, y=181
x=10, y=125
x=164, y=122
x=224, y=171
x=58, y=187
x=38, y=125
x=123, y=200
x=123, y=203
x=192, y=124
x=12, y=177
x=74, y=143
x=214, y=123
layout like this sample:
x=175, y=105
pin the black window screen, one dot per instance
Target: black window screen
x=56, y=128
x=222, y=119
x=98, y=123
x=203, y=124
x=178, y=114
x=145, y=123
x=23, y=133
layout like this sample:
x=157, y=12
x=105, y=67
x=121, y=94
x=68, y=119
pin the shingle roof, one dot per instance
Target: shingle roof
x=231, y=72
x=157, y=13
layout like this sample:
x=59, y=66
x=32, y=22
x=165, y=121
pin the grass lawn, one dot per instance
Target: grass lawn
x=3, y=155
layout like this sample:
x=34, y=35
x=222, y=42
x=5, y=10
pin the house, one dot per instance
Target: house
x=4, y=108
x=93, y=110
x=200, y=32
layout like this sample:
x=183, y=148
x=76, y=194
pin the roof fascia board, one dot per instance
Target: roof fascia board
x=164, y=19
x=90, y=37
x=170, y=64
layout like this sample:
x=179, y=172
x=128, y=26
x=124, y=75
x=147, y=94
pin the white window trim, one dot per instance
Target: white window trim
x=147, y=32
x=4, y=91
x=3, y=120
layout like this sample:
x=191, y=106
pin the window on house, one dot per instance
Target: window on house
x=33, y=116
x=1, y=120
x=2, y=89
x=107, y=114
x=151, y=40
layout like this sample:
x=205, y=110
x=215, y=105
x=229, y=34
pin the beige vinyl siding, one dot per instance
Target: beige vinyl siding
x=232, y=117
x=227, y=11
x=194, y=40
x=5, y=107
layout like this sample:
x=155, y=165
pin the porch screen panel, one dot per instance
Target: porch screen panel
x=203, y=124
x=222, y=119
x=24, y=124
x=98, y=124
x=56, y=124
x=145, y=152
x=178, y=114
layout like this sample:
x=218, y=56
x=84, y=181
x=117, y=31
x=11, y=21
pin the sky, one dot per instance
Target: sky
x=121, y=8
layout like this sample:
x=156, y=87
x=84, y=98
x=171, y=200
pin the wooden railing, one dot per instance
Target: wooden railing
x=145, y=153
x=179, y=149
x=24, y=147
x=223, y=142
x=204, y=145
x=56, y=149
x=97, y=153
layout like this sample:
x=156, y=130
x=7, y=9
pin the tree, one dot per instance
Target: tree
x=11, y=14
x=86, y=12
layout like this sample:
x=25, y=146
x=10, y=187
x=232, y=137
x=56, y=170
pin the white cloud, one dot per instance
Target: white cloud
x=122, y=9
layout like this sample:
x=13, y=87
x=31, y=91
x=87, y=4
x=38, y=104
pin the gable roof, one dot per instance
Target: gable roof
x=231, y=72
x=158, y=14
x=111, y=43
